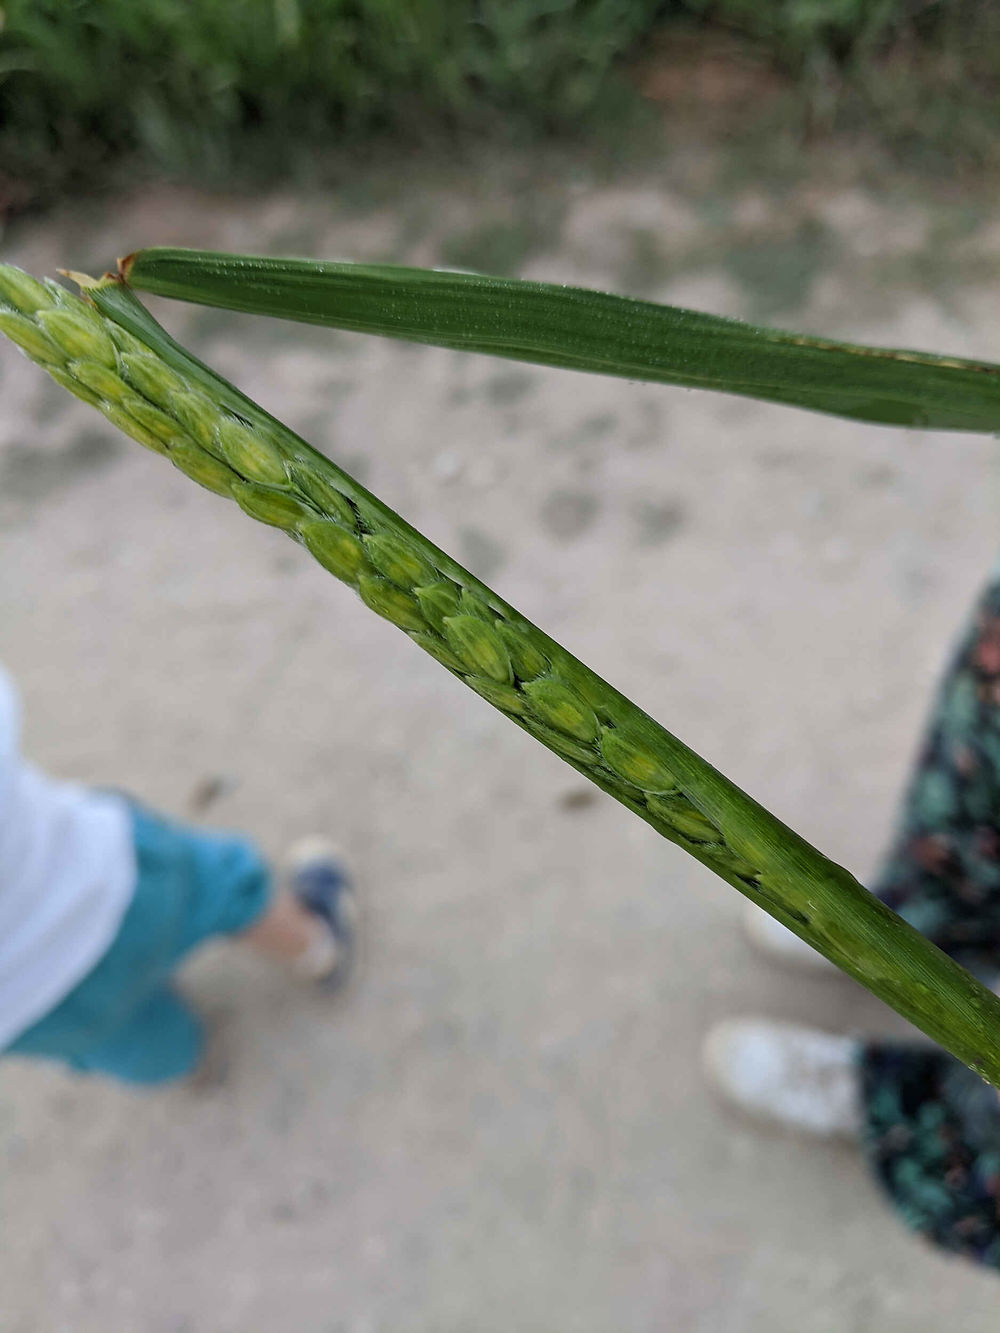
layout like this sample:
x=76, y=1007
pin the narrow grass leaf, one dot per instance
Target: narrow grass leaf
x=579, y=329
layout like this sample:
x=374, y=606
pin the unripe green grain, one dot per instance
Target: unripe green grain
x=587, y=685
x=620, y=789
x=439, y=651
x=560, y=707
x=682, y=816
x=437, y=601
x=471, y=605
x=631, y=761
x=203, y=468
x=75, y=386
x=564, y=745
x=152, y=377
x=275, y=507
x=151, y=418
x=371, y=517
x=479, y=646
x=527, y=660
x=663, y=806
x=98, y=378
x=81, y=336
x=728, y=861
x=397, y=561
x=125, y=341
x=199, y=416
x=500, y=695
x=32, y=340
x=22, y=291
x=120, y=418
x=338, y=551
x=63, y=297
x=250, y=454
x=327, y=499
x=390, y=602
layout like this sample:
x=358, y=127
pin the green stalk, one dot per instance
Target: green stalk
x=114, y=354
x=579, y=329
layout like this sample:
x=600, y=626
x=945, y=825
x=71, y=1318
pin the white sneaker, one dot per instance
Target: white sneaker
x=770, y=937
x=796, y=1077
x=316, y=874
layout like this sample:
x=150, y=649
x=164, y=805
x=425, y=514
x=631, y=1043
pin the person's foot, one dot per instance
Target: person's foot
x=319, y=880
x=792, y=1076
x=781, y=945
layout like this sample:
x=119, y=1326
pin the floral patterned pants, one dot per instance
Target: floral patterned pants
x=932, y=1128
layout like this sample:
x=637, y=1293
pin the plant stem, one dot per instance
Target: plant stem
x=124, y=363
x=749, y=848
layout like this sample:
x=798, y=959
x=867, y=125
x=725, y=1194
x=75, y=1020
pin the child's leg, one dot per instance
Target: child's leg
x=124, y=1019
x=219, y=882
x=290, y=933
x=138, y=1034
x=233, y=893
x=161, y=1041
x=230, y=890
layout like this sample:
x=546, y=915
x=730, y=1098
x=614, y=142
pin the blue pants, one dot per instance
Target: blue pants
x=125, y=1019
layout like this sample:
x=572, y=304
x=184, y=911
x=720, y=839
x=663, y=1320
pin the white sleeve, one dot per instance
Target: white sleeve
x=67, y=876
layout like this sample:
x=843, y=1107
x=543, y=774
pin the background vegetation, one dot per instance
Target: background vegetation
x=219, y=87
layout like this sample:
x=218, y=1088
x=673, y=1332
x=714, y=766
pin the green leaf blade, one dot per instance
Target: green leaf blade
x=577, y=329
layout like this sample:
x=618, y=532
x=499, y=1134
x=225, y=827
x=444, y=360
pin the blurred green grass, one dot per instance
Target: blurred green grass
x=223, y=83
x=89, y=88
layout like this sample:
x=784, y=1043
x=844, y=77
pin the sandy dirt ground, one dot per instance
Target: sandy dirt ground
x=504, y=1124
